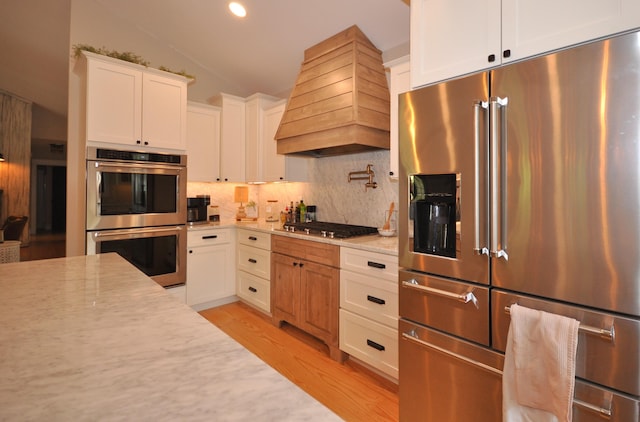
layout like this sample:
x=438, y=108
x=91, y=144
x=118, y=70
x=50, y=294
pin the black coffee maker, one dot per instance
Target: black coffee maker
x=197, y=209
x=434, y=211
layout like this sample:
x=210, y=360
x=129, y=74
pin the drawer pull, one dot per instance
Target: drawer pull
x=253, y=289
x=462, y=297
x=605, y=334
x=253, y=261
x=253, y=238
x=212, y=236
x=375, y=345
x=376, y=265
x=376, y=300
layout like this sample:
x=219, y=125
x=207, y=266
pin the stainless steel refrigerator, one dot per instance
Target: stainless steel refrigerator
x=521, y=185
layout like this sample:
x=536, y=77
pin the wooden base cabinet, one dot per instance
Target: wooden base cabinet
x=305, y=282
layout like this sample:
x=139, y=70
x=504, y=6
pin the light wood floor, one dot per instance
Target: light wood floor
x=347, y=389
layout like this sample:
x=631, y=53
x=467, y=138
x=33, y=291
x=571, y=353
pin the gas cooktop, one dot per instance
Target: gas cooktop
x=331, y=230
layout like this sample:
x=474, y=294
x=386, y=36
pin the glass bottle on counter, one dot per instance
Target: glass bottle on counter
x=303, y=212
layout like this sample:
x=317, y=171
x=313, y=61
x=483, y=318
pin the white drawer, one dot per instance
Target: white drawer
x=370, y=342
x=372, y=264
x=254, y=238
x=370, y=297
x=255, y=261
x=208, y=237
x=254, y=290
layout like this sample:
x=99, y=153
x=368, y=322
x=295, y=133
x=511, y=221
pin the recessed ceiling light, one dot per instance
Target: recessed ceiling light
x=237, y=9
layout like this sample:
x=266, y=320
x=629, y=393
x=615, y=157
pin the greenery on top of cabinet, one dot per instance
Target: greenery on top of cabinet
x=126, y=56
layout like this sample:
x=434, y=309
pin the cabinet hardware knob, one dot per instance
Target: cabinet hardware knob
x=491, y=58
x=375, y=345
x=253, y=238
x=253, y=261
x=295, y=264
x=506, y=54
x=190, y=251
x=253, y=289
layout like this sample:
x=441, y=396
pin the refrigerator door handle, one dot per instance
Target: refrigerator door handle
x=461, y=297
x=479, y=246
x=498, y=106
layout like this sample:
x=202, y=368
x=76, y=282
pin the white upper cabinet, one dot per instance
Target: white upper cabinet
x=232, y=139
x=399, y=82
x=203, y=142
x=256, y=162
x=131, y=105
x=449, y=39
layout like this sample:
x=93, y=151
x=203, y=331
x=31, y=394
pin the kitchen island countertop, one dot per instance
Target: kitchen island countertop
x=93, y=338
x=372, y=243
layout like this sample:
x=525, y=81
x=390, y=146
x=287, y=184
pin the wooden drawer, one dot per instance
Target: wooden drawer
x=254, y=290
x=254, y=238
x=321, y=253
x=372, y=264
x=208, y=237
x=255, y=261
x=370, y=297
x=372, y=343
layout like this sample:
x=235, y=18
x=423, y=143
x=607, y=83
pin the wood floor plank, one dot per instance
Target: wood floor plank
x=352, y=393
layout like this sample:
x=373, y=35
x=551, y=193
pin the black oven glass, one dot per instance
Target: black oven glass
x=151, y=255
x=124, y=193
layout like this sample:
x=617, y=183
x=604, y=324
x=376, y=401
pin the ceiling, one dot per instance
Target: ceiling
x=260, y=53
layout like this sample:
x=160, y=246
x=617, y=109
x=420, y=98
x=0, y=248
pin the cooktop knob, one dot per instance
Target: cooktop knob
x=323, y=233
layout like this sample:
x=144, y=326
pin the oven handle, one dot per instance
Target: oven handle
x=138, y=166
x=461, y=297
x=116, y=233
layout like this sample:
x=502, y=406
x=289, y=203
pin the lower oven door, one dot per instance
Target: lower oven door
x=443, y=378
x=159, y=252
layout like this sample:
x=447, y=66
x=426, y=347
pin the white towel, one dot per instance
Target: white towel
x=539, y=368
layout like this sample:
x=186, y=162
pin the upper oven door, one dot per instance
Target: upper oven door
x=121, y=195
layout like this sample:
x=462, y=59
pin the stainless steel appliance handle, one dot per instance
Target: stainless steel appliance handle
x=606, y=412
x=606, y=334
x=461, y=297
x=115, y=233
x=413, y=336
x=138, y=166
x=497, y=104
x=478, y=249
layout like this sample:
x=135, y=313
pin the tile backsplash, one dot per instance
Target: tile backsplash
x=337, y=199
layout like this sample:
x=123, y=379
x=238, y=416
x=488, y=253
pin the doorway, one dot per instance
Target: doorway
x=51, y=198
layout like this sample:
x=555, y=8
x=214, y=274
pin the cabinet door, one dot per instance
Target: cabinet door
x=399, y=82
x=273, y=163
x=285, y=287
x=203, y=143
x=114, y=103
x=453, y=38
x=164, y=112
x=209, y=273
x=319, y=304
x=232, y=140
x=531, y=27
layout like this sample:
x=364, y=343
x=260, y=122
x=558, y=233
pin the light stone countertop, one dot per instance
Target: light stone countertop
x=371, y=243
x=92, y=338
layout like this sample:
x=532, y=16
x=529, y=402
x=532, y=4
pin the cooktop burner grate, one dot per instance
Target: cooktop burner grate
x=335, y=230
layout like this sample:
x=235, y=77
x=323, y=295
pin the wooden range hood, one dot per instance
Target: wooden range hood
x=340, y=103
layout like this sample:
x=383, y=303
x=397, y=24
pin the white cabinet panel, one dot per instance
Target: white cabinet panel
x=203, y=142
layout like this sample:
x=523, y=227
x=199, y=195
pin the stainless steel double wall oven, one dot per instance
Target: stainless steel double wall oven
x=136, y=207
x=521, y=185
